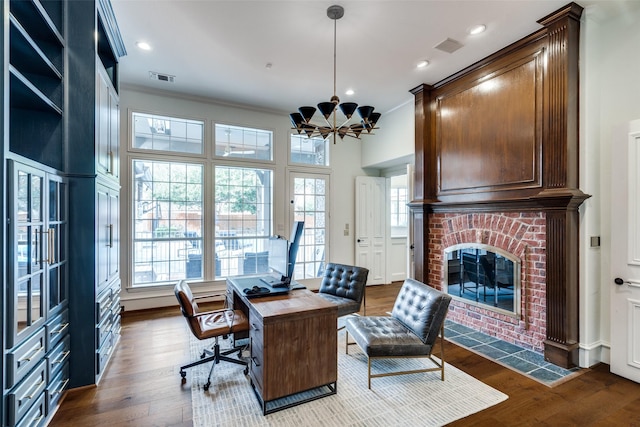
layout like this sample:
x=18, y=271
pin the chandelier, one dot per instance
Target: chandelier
x=302, y=119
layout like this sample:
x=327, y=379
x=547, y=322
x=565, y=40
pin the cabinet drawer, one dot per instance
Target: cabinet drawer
x=36, y=414
x=24, y=357
x=103, y=330
x=57, y=328
x=27, y=393
x=57, y=387
x=103, y=354
x=103, y=305
x=57, y=357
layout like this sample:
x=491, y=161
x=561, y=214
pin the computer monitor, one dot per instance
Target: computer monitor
x=278, y=256
x=294, y=243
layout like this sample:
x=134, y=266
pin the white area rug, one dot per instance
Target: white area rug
x=405, y=400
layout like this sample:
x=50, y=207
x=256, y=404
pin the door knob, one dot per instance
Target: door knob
x=358, y=240
x=618, y=281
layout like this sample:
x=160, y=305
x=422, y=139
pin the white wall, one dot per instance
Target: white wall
x=609, y=99
x=345, y=157
x=394, y=142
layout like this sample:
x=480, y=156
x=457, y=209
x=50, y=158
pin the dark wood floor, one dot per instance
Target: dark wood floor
x=142, y=387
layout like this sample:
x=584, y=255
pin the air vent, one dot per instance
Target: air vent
x=162, y=77
x=449, y=45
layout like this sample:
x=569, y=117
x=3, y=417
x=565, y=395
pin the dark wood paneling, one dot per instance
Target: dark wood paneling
x=501, y=144
x=501, y=135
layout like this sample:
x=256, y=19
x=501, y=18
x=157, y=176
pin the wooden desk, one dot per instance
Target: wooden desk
x=293, y=341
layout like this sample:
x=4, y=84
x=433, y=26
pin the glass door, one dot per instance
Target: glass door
x=309, y=196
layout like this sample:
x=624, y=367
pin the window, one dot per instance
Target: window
x=243, y=143
x=398, y=208
x=168, y=223
x=310, y=204
x=151, y=132
x=243, y=220
x=309, y=151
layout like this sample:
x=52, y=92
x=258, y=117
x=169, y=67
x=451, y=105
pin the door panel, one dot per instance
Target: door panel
x=371, y=227
x=625, y=254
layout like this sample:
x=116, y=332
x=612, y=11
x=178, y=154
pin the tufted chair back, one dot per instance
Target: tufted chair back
x=344, y=281
x=344, y=285
x=422, y=309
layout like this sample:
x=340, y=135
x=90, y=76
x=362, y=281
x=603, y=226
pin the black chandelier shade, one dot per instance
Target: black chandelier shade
x=302, y=119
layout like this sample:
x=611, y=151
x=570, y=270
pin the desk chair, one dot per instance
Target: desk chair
x=344, y=285
x=410, y=331
x=210, y=324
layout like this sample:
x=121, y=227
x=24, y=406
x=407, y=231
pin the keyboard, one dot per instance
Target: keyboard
x=274, y=283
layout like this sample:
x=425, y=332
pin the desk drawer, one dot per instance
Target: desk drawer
x=28, y=393
x=103, y=330
x=57, y=328
x=25, y=357
x=57, y=357
x=256, y=366
x=103, y=354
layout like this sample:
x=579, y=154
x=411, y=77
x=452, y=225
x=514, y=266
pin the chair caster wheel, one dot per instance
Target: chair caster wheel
x=183, y=374
x=206, y=386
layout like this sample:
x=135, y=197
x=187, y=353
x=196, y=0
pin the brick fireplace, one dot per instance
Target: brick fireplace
x=521, y=234
x=496, y=163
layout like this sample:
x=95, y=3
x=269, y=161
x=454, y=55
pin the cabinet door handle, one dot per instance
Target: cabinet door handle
x=31, y=396
x=30, y=358
x=110, y=170
x=44, y=260
x=51, y=256
x=62, y=387
x=60, y=329
x=255, y=361
x=110, y=231
x=59, y=361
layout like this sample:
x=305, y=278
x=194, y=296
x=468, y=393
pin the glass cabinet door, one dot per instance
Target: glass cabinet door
x=57, y=242
x=27, y=262
x=37, y=264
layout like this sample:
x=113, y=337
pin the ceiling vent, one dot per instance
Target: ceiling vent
x=162, y=77
x=449, y=45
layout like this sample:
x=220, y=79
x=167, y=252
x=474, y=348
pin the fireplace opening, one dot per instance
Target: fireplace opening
x=483, y=275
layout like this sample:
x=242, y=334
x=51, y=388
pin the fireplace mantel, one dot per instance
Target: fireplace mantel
x=515, y=150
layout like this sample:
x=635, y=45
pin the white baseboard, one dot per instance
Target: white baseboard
x=592, y=354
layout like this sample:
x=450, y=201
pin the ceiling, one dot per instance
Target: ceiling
x=278, y=55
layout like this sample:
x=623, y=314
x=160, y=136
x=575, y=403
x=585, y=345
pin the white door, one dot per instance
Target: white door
x=370, y=227
x=625, y=254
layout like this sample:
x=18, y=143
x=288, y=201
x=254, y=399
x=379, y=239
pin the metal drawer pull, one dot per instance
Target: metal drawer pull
x=61, y=389
x=31, y=396
x=64, y=356
x=255, y=361
x=30, y=358
x=255, y=326
x=60, y=329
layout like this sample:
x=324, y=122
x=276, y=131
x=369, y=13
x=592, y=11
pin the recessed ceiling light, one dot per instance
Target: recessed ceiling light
x=477, y=29
x=349, y=92
x=143, y=45
x=422, y=64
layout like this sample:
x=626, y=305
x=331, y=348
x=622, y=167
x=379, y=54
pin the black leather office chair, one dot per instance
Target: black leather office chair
x=344, y=285
x=210, y=324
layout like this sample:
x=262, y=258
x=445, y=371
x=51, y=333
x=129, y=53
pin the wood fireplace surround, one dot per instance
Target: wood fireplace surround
x=500, y=138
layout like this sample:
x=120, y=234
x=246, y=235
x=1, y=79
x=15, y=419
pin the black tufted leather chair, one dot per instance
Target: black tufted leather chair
x=411, y=331
x=344, y=285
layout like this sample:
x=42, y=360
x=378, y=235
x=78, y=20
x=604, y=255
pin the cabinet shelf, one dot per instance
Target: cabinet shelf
x=37, y=20
x=24, y=94
x=33, y=65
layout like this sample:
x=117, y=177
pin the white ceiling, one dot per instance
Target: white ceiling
x=220, y=49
